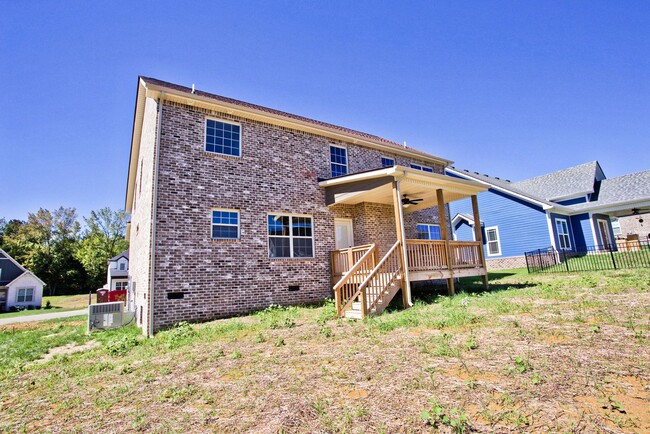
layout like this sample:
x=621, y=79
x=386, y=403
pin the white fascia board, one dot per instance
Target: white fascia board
x=460, y=217
x=504, y=190
x=389, y=171
x=613, y=207
x=26, y=273
x=550, y=229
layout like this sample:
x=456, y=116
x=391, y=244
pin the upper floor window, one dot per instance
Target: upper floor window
x=225, y=224
x=338, y=161
x=222, y=138
x=122, y=266
x=25, y=295
x=428, y=232
x=387, y=162
x=422, y=168
x=290, y=236
x=563, y=234
x=493, y=241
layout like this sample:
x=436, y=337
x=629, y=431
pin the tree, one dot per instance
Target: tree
x=103, y=239
x=45, y=245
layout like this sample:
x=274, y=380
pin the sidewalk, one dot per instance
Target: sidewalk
x=42, y=316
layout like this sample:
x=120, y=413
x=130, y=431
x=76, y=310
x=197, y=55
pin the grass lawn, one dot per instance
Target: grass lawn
x=550, y=353
x=58, y=303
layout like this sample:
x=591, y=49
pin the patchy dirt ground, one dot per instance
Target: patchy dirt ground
x=535, y=355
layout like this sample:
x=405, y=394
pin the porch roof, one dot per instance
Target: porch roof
x=376, y=186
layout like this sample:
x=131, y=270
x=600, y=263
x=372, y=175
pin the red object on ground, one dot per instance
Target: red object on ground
x=117, y=295
x=105, y=296
x=102, y=295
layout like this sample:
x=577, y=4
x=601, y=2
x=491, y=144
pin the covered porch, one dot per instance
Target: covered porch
x=366, y=277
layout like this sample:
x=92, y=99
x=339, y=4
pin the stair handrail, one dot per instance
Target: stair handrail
x=373, y=273
x=348, y=276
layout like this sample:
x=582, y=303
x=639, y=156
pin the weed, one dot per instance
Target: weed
x=326, y=331
x=522, y=365
x=236, y=354
x=259, y=338
x=280, y=342
x=595, y=328
x=537, y=378
x=438, y=416
x=177, y=395
x=121, y=345
x=179, y=334
x=472, y=342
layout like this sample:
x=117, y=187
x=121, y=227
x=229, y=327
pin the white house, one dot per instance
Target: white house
x=117, y=276
x=19, y=287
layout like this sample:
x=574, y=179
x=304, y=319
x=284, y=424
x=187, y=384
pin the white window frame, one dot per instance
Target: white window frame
x=212, y=224
x=558, y=224
x=121, y=283
x=384, y=157
x=428, y=225
x=347, y=160
x=498, y=240
x=290, y=236
x=121, y=266
x=616, y=226
x=608, y=242
x=422, y=168
x=223, y=121
x=31, y=299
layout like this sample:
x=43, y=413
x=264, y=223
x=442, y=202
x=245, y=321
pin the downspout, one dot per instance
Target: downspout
x=404, y=249
x=153, y=216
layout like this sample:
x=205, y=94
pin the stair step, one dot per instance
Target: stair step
x=353, y=314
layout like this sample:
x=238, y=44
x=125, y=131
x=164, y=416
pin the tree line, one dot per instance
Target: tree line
x=68, y=257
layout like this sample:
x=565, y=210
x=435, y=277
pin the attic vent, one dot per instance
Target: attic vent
x=175, y=295
x=294, y=288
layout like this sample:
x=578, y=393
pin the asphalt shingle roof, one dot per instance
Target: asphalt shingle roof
x=123, y=254
x=626, y=188
x=562, y=183
x=9, y=271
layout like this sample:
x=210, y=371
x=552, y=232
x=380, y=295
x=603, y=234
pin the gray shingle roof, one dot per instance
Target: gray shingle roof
x=123, y=254
x=573, y=181
x=9, y=271
x=622, y=189
x=503, y=183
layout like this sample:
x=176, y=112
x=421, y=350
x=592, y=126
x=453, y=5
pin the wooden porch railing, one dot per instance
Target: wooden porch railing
x=465, y=254
x=343, y=259
x=346, y=289
x=425, y=255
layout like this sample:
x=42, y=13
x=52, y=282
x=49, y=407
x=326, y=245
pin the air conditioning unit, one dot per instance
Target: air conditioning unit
x=103, y=316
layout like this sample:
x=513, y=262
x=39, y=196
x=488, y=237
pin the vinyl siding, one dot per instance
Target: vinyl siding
x=582, y=232
x=464, y=232
x=522, y=226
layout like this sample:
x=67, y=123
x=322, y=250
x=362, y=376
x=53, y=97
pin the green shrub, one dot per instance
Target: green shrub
x=121, y=345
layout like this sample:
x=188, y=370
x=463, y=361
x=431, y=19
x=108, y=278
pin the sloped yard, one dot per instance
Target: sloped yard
x=554, y=353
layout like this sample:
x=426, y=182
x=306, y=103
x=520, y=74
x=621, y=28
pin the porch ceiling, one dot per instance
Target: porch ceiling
x=376, y=186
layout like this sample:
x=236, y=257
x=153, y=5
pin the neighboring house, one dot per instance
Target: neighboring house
x=19, y=288
x=235, y=207
x=117, y=276
x=569, y=210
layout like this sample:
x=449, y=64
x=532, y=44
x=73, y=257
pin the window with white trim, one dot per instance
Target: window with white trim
x=493, y=241
x=422, y=168
x=122, y=266
x=225, y=224
x=290, y=236
x=428, y=232
x=119, y=286
x=25, y=295
x=222, y=138
x=562, y=227
x=338, y=161
x=616, y=226
x=387, y=162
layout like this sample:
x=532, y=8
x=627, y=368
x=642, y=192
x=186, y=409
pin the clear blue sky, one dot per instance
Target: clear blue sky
x=509, y=88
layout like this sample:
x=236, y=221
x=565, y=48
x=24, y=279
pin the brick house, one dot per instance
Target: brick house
x=235, y=207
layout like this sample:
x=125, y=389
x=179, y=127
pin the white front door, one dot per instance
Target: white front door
x=343, y=233
x=603, y=228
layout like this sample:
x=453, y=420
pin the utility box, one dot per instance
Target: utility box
x=104, y=316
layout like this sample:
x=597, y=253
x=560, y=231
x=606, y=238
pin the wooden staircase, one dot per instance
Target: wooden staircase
x=367, y=288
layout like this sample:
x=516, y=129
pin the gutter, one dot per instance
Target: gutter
x=161, y=98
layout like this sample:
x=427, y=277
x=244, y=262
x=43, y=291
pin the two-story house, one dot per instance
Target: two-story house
x=117, y=274
x=236, y=206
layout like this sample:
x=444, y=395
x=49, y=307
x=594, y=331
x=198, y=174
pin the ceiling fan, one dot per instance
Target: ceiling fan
x=408, y=202
x=637, y=211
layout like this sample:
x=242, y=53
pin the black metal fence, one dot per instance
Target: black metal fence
x=549, y=260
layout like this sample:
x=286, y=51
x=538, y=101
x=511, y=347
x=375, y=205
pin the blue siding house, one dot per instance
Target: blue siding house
x=568, y=210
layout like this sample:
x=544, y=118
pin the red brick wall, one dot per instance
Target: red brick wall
x=277, y=172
